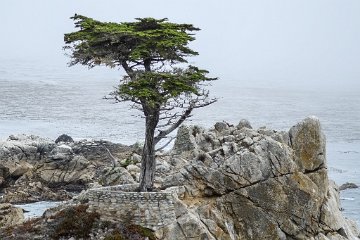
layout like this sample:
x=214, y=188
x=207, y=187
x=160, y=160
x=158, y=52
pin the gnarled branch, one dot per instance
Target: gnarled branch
x=183, y=117
x=165, y=145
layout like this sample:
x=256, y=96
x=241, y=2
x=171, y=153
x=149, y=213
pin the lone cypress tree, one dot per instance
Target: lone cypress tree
x=158, y=81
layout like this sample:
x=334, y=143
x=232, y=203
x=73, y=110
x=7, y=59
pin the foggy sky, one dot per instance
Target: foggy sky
x=308, y=43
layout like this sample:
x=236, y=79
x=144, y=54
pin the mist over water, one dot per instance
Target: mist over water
x=50, y=99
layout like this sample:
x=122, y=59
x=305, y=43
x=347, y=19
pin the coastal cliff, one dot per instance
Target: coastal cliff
x=256, y=184
x=227, y=182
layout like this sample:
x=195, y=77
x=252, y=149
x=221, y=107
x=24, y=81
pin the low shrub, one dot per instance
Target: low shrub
x=129, y=232
x=115, y=235
x=74, y=222
x=144, y=232
x=30, y=226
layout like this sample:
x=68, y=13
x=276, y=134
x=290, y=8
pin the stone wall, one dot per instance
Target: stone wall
x=120, y=203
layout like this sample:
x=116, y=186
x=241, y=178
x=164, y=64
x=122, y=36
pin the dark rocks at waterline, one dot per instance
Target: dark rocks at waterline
x=64, y=139
x=244, y=123
x=348, y=185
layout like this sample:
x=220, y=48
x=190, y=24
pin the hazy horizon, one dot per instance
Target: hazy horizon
x=307, y=44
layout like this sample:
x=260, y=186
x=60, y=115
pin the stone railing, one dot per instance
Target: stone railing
x=152, y=210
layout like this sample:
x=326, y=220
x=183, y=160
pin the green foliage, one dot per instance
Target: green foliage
x=147, y=49
x=110, y=43
x=160, y=87
x=126, y=162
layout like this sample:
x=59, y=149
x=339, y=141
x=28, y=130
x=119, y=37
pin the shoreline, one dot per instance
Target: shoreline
x=261, y=161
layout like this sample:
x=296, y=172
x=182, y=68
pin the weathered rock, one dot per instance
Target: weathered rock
x=25, y=147
x=10, y=215
x=116, y=176
x=258, y=184
x=135, y=158
x=228, y=183
x=133, y=168
x=75, y=170
x=33, y=192
x=244, y=123
x=95, y=151
x=61, y=153
x=134, y=172
x=347, y=186
x=4, y=174
x=71, y=166
x=221, y=126
x=20, y=170
x=308, y=143
x=64, y=139
x=332, y=217
x=185, y=140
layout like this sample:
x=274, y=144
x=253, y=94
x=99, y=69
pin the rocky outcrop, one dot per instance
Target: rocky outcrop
x=10, y=215
x=116, y=176
x=64, y=138
x=34, y=168
x=228, y=182
x=348, y=185
x=241, y=183
x=4, y=174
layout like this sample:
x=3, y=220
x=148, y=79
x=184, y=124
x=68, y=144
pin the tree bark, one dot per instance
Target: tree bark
x=148, y=161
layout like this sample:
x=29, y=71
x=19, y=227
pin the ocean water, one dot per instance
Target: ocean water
x=49, y=99
x=36, y=209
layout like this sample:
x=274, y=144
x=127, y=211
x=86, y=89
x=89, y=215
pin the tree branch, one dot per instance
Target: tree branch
x=113, y=159
x=205, y=104
x=135, y=64
x=182, y=118
x=127, y=69
x=165, y=145
x=118, y=99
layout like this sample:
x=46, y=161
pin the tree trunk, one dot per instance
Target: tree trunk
x=148, y=162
